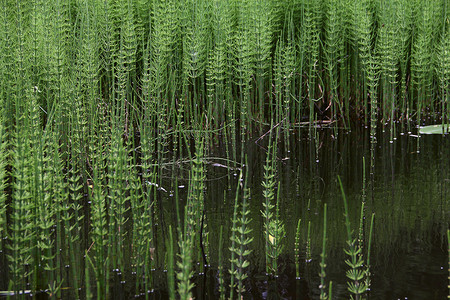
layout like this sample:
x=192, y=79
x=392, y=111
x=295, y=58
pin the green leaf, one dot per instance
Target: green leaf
x=435, y=129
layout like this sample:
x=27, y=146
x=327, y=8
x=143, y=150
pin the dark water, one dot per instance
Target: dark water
x=408, y=192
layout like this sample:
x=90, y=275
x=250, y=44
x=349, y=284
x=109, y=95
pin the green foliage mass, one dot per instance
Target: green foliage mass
x=95, y=93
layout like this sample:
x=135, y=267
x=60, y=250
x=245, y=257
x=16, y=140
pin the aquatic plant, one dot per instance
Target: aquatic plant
x=442, y=69
x=297, y=250
x=308, y=250
x=142, y=209
x=220, y=267
x=194, y=62
x=421, y=57
x=3, y=184
x=268, y=185
x=358, y=283
x=170, y=265
x=104, y=102
x=334, y=43
x=185, y=262
x=322, y=273
x=435, y=129
x=362, y=30
x=240, y=240
x=73, y=217
x=21, y=229
x=275, y=232
x=118, y=198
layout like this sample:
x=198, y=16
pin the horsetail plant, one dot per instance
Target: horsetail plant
x=191, y=233
x=387, y=44
x=421, y=58
x=51, y=211
x=243, y=241
x=404, y=20
x=72, y=217
x=118, y=198
x=284, y=71
x=372, y=84
x=142, y=206
x=268, y=185
x=170, y=265
x=218, y=69
x=21, y=229
x=297, y=250
x=220, y=267
x=443, y=71
x=174, y=56
x=361, y=228
x=3, y=183
x=194, y=55
x=369, y=248
x=333, y=41
x=142, y=245
x=311, y=41
x=240, y=239
x=37, y=191
x=363, y=39
x=96, y=95
x=185, y=263
x=99, y=222
x=275, y=231
x=195, y=204
x=263, y=30
x=308, y=257
x=357, y=284
x=322, y=273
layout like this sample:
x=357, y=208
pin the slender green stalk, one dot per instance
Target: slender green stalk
x=118, y=198
x=268, y=185
x=233, y=238
x=99, y=235
x=191, y=234
x=333, y=40
x=73, y=217
x=184, y=264
x=297, y=250
x=357, y=284
x=363, y=35
x=443, y=71
x=87, y=277
x=3, y=184
x=308, y=244
x=421, y=59
x=276, y=233
x=240, y=240
x=369, y=248
x=263, y=32
x=322, y=273
x=170, y=265
x=220, y=267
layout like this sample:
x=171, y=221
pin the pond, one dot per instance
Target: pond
x=408, y=193
x=406, y=190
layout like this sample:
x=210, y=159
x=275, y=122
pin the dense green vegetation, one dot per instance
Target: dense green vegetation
x=208, y=64
x=98, y=97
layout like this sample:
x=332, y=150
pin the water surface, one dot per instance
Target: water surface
x=408, y=191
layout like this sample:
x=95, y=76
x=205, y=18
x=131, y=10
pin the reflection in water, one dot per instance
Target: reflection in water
x=408, y=192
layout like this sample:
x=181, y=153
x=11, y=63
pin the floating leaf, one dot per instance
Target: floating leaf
x=435, y=129
x=271, y=239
